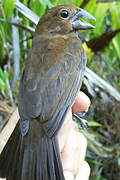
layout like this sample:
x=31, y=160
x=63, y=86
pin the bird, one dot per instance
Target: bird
x=50, y=81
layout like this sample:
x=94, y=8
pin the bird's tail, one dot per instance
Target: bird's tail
x=33, y=157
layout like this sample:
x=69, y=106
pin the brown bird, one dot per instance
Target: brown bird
x=51, y=78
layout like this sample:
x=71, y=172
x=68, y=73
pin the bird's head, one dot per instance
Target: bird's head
x=64, y=19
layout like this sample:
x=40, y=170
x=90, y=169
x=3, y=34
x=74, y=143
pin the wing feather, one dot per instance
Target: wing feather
x=48, y=93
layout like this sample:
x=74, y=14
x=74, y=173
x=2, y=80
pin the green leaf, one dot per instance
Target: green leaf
x=38, y=7
x=98, y=10
x=75, y=2
x=46, y=3
x=93, y=123
x=67, y=2
x=55, y=2
x=115, y=15
x=119, y=161
x=8, y=7
x=78, y=2
x=116, y=42
x=3, y=78
x=99, y=173
x=2, y=42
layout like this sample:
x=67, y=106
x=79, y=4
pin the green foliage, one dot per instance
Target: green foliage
x=93, y=123
x=2, y=41
x=8, y=6
x=98, y=10
x=119, y=161
x=115, y=15
x=40, y=6
x=46, y=3
x=75, y=2
x=3, y=78
x=6, y=11
x=98, y=177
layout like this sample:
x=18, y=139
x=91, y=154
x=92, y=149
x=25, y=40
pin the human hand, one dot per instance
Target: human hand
x=73, y=144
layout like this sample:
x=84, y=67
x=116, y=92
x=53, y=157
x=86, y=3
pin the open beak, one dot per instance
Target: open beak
x=79, y=24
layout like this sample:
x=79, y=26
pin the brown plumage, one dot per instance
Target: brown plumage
x=50, y=81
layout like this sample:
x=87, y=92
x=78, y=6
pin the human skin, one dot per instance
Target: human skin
x=73, y=144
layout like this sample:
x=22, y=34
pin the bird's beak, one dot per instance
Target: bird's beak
x=79, y=24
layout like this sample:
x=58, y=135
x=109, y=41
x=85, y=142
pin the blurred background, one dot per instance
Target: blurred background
x=102, y=76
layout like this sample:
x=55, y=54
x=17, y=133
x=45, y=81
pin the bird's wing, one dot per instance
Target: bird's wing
x=48, y=91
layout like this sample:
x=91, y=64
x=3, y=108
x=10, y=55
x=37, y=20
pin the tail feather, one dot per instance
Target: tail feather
x=38, y=169
x=28, y=165
x=51, y=167
x=57, y=161
x=33, y=157
x=43, y=159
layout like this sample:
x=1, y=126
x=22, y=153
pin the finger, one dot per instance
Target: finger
x=82, y=102
x=65, y=130
x=74, y=151
x=69, y=154
x=84, y=172
x=82, y=143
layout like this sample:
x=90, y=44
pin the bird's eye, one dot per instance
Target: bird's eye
x=64, y=14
